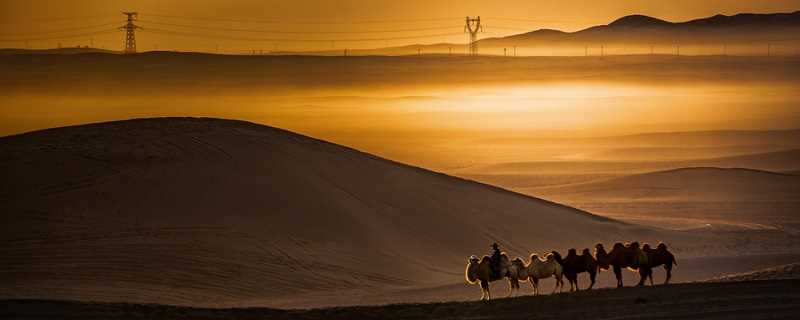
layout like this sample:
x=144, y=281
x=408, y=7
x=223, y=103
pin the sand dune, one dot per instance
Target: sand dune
x=786, y=271
x=784, y=160
x=689, y=198
x=773, y=299
x=688, y=184
x=215, y=212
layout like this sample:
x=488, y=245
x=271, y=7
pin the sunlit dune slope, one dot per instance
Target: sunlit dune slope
x=216, y=212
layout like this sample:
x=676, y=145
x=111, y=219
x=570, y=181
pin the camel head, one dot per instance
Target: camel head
x=661, y=246
x=599, y=249
x=586, y=252
x=549, y=257
x=572, y=252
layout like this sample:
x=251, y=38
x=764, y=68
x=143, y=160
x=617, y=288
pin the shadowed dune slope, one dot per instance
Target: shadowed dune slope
x=219, y=212
x=773, y=299
x=686, y=184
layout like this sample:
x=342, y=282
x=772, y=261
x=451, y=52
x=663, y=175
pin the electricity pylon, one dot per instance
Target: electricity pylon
x=473, y=26
x=130, y=32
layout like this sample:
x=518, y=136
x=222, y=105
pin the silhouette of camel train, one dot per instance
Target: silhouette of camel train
x=630, y=255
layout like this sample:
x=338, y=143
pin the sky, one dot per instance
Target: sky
x=240, y=26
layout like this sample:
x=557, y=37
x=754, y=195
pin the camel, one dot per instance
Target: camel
x=574, y=264
x=517, y=272
x=658, y=257
x=479, y=271
x=624, y=256
x=541, y=269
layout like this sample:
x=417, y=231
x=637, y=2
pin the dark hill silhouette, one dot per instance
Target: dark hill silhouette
x=643, y=29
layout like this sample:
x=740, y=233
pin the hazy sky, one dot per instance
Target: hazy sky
x=84, y=21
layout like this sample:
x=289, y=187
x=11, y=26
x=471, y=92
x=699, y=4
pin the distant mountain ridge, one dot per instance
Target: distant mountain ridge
x=637, y=27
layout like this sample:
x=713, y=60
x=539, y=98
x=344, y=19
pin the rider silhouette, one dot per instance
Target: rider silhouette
x=495, y=259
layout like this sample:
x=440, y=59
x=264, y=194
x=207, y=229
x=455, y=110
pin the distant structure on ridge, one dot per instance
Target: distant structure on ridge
x=130, y=32
x=473, y=26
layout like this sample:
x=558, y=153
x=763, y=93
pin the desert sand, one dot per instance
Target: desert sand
x=772, y=299
x=208, y=212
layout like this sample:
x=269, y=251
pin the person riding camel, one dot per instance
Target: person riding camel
x=495, y=261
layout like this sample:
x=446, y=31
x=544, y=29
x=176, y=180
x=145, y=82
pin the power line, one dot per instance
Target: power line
x=59, y=37
x=67, y=29
x=295, y=32
x=538, y=20
x=188, y=34
x=61, y=19
x=301, y=22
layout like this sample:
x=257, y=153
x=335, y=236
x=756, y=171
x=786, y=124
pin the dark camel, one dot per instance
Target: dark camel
x=624, y=256
x=658, y=257
x=574, y=264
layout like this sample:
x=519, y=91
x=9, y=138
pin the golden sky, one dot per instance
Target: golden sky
x=166, y=28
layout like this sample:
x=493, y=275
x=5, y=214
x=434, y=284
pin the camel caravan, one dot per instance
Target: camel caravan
x=622, y=256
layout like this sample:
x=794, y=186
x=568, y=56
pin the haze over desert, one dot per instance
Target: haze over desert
x=373, y=181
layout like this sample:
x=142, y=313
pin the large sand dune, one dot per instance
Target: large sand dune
x=690, y=197
x=215, y=212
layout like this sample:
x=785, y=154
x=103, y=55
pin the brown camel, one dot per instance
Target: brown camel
x=658, y=257
x=574, y=264
x=479, y=271
x=624, y=256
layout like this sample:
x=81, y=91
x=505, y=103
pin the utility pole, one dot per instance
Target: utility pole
x=515, y=51
x=473, y=26
x=130, y=32
x=505, y=54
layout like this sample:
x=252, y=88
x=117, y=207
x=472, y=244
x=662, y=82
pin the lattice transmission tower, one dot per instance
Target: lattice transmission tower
x=130, y=32
x=473, y=26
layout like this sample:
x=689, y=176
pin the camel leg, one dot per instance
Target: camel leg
x=592, y=277
x=511, y=287
x=559, y=284
x=484, y=290
x=668, y=267
x=533, y=285
x=573, y=279
x=618, y=274
x=642, y=276
x=650, y=276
